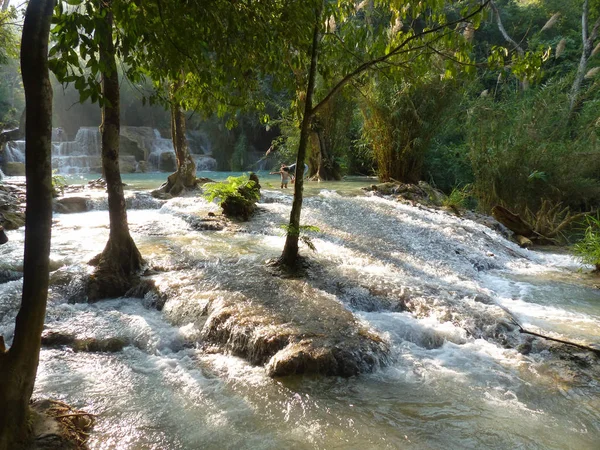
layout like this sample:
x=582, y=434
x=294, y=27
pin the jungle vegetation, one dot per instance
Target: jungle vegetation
x=498, y=96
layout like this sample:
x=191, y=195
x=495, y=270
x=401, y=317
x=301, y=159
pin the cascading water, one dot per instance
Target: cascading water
x=432, y=284
x=14, y=151
x=83, y=155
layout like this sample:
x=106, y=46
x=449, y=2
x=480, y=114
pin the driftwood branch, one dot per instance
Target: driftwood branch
x=522, y=330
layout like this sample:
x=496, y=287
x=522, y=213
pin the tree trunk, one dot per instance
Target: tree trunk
x=185, y=176
x=18, y=366
x=327, y=168
x=5, y=4
x=120, y=259
x=289, y=257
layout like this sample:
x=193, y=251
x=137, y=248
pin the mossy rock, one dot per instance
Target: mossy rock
x=127, y=164
x=14, y=169
x=69, y=205
x=12, y=220
x=167, y=162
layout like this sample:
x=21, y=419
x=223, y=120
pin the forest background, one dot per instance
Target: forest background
x=492, y=131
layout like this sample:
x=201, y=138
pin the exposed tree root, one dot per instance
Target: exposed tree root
x=176, y=183
x=61, y=426
x=117, y=269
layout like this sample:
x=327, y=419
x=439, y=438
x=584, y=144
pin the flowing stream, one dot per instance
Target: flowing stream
x=459, y=376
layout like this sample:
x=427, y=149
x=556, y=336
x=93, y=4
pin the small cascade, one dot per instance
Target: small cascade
x=204, y=162
x=83, y=155
x=14, y=151
x=142, y=149
x=162, y=154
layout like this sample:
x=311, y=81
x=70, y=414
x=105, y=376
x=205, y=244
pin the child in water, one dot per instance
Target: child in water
x=284, y=171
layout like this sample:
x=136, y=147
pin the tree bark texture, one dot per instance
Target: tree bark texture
x=18, y=366
x=289, y=257
x=185, y=176
x=120, y=259
x=327, y=169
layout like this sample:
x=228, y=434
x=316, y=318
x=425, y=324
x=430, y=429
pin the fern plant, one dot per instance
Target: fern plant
x=588, y=248
x=232, y=187
x=302, y=233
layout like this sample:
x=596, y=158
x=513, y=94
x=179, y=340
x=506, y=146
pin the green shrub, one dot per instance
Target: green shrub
x=459, y=197
x=58, y=184
x=236, y=195
x=588, y=248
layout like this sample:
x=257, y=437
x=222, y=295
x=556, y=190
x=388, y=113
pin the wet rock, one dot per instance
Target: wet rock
x=209, y=223
x=243, y=205
x=12, y=220
x=71, y=204
x=58, y=426
x=9, y=275
x=206, y=163
x=147, y=290
x=290, y=335
x=59, y=339
x=12, y=208
x=167, y=162
x=141, y=167
x=422, y=193
x=203, y=180
x=14, y=169
x=127, y=164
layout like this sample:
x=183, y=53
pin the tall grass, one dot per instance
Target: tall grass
x=523, y=150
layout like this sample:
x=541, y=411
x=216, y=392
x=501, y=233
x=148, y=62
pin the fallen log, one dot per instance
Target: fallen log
x=513, y=222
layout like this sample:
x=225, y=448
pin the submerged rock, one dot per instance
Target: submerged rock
x=59, y=339
x=288, y=334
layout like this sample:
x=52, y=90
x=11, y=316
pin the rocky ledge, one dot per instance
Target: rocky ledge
x=297, y=330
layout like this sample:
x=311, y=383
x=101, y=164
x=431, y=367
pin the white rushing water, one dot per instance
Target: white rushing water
x=429, y=282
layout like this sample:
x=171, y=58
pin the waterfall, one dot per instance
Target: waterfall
x=14, y=151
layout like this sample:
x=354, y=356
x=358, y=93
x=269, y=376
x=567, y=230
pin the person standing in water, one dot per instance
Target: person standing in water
x=284, y=171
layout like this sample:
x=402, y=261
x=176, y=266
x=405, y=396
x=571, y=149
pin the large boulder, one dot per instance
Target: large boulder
x=127, y=164
x=14, y=169
x=286, y=332
x=71, y=204
x=12, y=211
x=167, y=162
x=422, y=193
x=243, y=205
x=127, y=147
x=206, y=163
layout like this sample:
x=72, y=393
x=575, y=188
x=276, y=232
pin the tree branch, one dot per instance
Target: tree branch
x=395, y=51
x=516, y=46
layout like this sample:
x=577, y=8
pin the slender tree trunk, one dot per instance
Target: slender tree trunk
x=18, y=366
x=586, y=52
x=523, y=84
x=289, y=256
x=5, y=4
x=327, y=168
x=185, y=176
x=120, y=259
